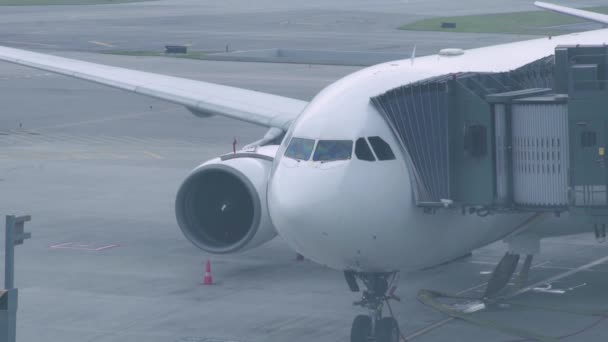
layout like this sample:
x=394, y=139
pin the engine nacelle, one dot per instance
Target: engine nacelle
x=221, y=206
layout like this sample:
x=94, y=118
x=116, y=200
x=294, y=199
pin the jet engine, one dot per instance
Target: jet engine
x=221, y=206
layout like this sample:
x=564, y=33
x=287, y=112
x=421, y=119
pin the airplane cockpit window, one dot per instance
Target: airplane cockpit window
x=381, y=148
x=362, y=150
x=330, y=150
x=300, y=148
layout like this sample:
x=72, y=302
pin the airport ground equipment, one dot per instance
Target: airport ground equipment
x=532, y=139
x=176, y=49
x=15, y=235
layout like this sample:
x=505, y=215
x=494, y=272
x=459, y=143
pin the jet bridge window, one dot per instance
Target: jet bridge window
x=588, y=138
x=300, y=149
x=475, y=140
x=329, y=150
x=362, y=150
x=382, y=148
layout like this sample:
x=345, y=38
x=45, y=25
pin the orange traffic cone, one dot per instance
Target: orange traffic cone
x=207, y=278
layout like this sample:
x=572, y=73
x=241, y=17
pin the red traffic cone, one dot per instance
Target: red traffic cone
x=207, y=278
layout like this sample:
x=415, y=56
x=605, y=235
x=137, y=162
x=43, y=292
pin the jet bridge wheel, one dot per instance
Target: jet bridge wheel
x=361, y=330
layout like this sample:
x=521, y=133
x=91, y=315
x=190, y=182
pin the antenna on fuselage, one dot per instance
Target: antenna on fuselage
x=413, y=57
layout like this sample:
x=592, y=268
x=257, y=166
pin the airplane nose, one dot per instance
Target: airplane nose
x=302, y=209
x=337, y=215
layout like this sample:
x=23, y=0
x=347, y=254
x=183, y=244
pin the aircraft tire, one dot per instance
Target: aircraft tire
x=387, y=330
x=361, y=329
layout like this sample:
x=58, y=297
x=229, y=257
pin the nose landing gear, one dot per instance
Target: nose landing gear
x=373, y=327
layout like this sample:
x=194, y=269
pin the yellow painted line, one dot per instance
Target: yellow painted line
x=153, y=155
x=110, y=118
x=427, y=297
x=443, y=322
x=100, y=43
x=31, y=43
x=428, y=328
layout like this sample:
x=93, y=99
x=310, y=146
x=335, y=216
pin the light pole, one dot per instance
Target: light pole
x=15, y=235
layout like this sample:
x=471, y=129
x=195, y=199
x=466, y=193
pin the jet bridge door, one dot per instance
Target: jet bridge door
x=586, y=71
x=588, y=153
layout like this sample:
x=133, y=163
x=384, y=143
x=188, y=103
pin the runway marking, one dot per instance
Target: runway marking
x=539, y=265
x=109, y=118
x=82, y=246
x=118, y=156
x=19, y=137
x=429, y=328
x=100, y=43
x=517, y=293
x=153, y=155
x=560, y=276
x=438, y=324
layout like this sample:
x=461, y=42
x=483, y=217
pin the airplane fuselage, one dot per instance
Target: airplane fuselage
x=361, y=215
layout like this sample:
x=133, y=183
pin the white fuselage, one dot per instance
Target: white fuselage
x=360, y=215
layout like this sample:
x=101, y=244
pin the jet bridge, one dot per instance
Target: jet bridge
x=531, y=139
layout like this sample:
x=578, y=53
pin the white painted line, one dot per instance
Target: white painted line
x=105, y=247
x=60, y=245
x=153, y=155
x=100, y=43
x=560, y=276
x=438, y=324
x=82, y=247
x=429, y=328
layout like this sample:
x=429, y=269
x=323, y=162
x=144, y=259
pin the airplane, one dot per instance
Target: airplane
x=332, y=177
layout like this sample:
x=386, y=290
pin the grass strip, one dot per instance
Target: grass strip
x=532, y=22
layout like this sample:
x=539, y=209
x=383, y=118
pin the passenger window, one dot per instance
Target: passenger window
x=382, y=148
x=300, y=148
x=328, y=150
x=362, y=150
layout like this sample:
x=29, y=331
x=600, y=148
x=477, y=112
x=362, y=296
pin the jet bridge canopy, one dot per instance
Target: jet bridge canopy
x=530, y=139
x=443, y=125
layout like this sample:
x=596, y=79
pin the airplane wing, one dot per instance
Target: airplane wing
x=202, y=98
x=597, y=17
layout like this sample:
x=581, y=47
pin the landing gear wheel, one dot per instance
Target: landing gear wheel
x=387, y=330
x=361, y=329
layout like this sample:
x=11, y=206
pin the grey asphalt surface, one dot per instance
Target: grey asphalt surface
x=358, y=25
x=98, y=169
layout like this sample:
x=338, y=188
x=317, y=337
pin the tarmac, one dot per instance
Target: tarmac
x=341, y=25
x=98, y=170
